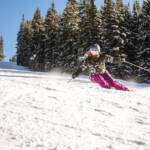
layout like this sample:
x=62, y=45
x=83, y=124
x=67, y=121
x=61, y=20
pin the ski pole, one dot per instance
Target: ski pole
x=69, y=80
x=137, y=66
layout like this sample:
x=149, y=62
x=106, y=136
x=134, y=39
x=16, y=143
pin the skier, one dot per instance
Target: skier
x=94, y=63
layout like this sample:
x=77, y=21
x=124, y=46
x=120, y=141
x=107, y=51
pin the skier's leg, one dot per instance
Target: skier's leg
x=114, y=83
x=100, y=80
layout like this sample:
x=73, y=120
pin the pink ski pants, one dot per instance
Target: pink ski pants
x=106, y=81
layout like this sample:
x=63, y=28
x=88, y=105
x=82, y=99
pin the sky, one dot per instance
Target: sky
x=11, y=12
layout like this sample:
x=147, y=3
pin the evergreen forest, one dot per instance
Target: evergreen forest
x=58, y=40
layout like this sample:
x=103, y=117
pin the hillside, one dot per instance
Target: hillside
x=43, y=111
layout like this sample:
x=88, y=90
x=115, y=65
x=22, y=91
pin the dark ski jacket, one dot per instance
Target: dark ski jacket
x=96, y=64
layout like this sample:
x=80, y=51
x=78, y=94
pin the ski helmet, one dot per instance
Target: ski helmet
x=95, y=47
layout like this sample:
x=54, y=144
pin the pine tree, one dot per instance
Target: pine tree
x=126, y=71
x=129, y=23
x=110, y=29
x=20, y=43
x=123, y=29
x=132, y=47
x=68, y=36
x=135, y=39
x=83, y=9
x=144, y=39
x=110, y=34
x=95, y=23
x=37, y=45
x=90, y=25
x=51, y=30
x=24, y=43
x=1, y=49
x=27, y=43
x=120, y=39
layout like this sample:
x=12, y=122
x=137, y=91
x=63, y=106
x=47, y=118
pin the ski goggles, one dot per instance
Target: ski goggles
x=94, y=53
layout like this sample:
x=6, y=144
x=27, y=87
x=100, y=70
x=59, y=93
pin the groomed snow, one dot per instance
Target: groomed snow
x=43, y=111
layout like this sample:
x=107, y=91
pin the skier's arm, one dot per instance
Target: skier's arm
x=82, y=68
x=114, y=60
x=76, y=74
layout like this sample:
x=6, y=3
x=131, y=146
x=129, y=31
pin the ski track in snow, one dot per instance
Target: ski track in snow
x=42, y=111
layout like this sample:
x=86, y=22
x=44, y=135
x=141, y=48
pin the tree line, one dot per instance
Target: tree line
x=58, y=40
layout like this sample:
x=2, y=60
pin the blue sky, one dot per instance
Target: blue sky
x=11, y=14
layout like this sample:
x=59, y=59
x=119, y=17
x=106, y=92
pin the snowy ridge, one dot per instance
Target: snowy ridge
x=42, y=111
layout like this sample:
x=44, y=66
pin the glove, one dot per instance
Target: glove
x=123, y=60
x=74, y=75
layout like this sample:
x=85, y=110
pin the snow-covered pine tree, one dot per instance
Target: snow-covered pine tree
x=110, y=33
x=129, y=23
x=37, y=45
x=120, y=38
x=1, y=49
x=110, y=28
x=135, y=42
x=83, y=9
x=90, y=25
x=128, y=70
x=51, y=37
x=95, y=23
x=21, y=43
x=124, y=18
x=122, y=35
x=68, y=36
x=143, y=54
x=27, y=35
x=132, y=46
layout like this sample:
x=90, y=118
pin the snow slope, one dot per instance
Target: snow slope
x=42, y=111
